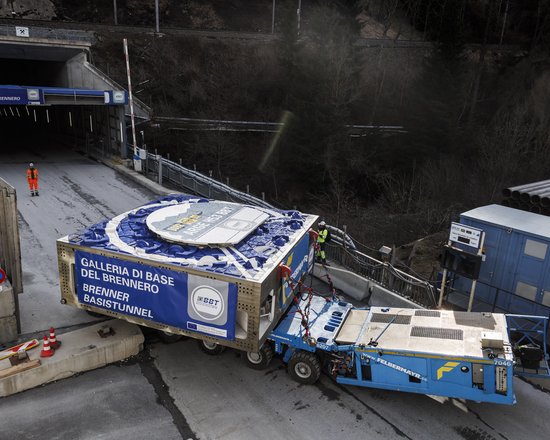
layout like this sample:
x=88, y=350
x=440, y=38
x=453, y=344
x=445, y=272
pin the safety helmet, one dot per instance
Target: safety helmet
x=322, y=224
x=31, y=165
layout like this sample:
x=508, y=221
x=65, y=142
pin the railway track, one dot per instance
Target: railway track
x=225, y=34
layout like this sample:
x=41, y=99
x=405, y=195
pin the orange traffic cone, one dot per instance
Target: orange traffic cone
x=54, y=343
x=46, y=349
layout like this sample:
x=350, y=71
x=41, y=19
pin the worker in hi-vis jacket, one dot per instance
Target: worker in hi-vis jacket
x=321, y=240
x=32, y=178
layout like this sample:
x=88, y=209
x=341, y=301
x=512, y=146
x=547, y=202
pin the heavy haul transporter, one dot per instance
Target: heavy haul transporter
x=438, y=352
x=228, y=274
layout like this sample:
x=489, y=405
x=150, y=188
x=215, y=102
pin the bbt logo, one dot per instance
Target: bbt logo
x=207, y=302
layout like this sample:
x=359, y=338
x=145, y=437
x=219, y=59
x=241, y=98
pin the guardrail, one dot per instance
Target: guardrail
x=495, y=300
x=420, y=291
x=164, y=171
x=342, y=249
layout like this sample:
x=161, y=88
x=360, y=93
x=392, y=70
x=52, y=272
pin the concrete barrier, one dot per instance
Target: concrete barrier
x=8, y=320
x=382, y=297
x=81, y=350
x=362, y=289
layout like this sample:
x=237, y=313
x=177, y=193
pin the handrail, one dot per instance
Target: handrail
x=383, y=273
x=341, y=250
x=493, y=304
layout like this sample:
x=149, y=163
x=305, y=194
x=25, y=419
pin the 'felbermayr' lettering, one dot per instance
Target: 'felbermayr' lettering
x=392, y=365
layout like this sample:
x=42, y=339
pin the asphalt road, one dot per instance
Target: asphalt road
x=182, y=393
x=75, y=192
x=221, y=398
x=115, y=402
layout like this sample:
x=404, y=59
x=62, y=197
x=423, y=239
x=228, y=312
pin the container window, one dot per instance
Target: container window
x=526, y=290
x=535, y=249
x=546, y=298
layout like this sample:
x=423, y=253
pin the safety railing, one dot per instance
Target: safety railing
x=528, y=336
x=495, y=299
x=169, y=173
x=343, y=250
x=419, y=291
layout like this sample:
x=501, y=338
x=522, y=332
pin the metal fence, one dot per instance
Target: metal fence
x=497, y=300
x=169, y=173
x=419, y=291
x=342, y=249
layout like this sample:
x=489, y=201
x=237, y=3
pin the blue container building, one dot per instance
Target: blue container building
x=515, y=271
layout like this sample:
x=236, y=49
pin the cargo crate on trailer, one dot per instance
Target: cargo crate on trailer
x=189, y=266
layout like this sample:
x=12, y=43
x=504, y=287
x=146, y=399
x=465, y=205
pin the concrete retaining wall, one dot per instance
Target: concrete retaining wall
x=362, y=289
x=8, y=320
x=81, y=350
x=81, y=74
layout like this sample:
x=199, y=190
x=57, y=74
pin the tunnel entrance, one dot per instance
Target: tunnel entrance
x=44, y=118
x=54, y=97
x=32, y=72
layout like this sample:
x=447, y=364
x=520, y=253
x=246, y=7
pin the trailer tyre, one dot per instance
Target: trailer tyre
x=210, y=348
x=261, y=359
x=167, y=337
x=304, y=367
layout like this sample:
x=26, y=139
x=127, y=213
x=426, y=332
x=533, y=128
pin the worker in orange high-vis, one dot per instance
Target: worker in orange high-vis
x=32, y=178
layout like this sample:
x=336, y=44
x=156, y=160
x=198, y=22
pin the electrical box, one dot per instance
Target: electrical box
x=492, y=340
x=501, y=377
x=477, y=374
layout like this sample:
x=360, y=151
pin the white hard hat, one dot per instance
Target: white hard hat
x=31, y=165
x=322, y=223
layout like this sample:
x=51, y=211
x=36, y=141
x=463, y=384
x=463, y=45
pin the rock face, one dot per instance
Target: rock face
x=37, y=9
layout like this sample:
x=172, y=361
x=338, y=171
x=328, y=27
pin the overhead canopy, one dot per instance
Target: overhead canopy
x=27, y=95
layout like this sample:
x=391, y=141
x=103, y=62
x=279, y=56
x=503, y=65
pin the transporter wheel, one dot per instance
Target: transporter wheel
x=304, y=367
x=210, y=348
x=259, y=360
x=167, y=337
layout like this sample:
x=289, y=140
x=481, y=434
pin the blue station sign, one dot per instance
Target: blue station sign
x=164, y=296
x=14, y=95
x=25, y=95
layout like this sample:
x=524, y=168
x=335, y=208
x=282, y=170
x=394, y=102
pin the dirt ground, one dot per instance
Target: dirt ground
x=422, y=256
x=36, y=9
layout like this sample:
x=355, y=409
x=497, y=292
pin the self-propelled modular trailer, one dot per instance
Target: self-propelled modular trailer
x=437, y=352
x=226, y=273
